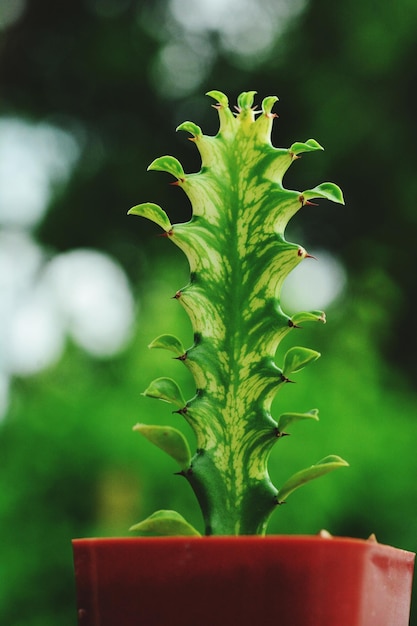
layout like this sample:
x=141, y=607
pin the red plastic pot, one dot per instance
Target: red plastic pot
x=239, y=581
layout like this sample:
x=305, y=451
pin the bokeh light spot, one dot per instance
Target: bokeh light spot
x=314, y=284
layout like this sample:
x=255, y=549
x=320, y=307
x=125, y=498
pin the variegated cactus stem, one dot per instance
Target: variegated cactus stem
x=238, y=259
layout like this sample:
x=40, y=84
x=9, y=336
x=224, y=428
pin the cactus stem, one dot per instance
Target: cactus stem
x=238, y=259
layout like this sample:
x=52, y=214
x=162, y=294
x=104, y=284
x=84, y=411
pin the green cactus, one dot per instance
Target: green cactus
x=238, y=259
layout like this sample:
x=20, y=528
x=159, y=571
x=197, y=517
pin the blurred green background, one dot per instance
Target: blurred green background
x=90, y=93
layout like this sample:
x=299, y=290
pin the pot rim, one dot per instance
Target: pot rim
x=305, y=540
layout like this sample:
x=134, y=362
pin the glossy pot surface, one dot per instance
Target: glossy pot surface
x=241, y=581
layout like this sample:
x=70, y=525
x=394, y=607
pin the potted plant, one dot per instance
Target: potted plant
x=238, y=258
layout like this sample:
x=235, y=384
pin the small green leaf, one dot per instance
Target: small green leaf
x=168, y=342
x=165, y=389
x=192, y=128
x=297, y=358
x=330, y=191
x=289, y=418
x=268, y=103
x=308, y=316
x=152, y=212
x=309, y=146
x=245, y=100
x=168, y=439
x=220, y=97
x=168, y=164
x=164, y=523
x=328, y=464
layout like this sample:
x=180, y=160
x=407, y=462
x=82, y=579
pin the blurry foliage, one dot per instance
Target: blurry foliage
x=70, y=464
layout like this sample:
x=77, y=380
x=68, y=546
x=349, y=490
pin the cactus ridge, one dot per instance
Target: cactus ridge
x=238, y=258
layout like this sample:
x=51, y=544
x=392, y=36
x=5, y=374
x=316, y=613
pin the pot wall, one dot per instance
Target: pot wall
x=241, y=581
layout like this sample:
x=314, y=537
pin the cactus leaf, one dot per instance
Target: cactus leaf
x=191, y=128
x=326, y=465
x=168, y=342
x=329, y=191
x=168, y=164
x=289, y=418
x=167, y=390
x=168, y=439
x=152, y=212
x=309, y=146
x=268, y=103
x=245, y=100
x=221, y=98
x=297, y=358
x=308, y=316
x=163, y=523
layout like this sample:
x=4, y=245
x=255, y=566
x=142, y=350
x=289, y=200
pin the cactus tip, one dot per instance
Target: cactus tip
x=267, y=105
x=222, y=99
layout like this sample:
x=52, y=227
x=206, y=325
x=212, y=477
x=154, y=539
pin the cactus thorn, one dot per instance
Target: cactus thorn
x=280, y=434
x=167, y=233
x=305, y=202
x=182, y=411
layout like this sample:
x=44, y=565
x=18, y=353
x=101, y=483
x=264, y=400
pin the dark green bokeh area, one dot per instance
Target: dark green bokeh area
x=117, y=77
